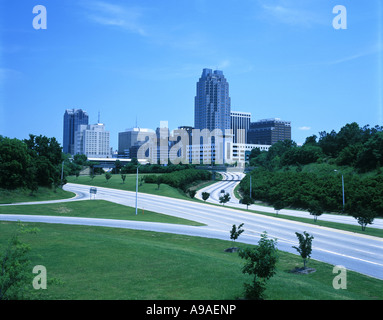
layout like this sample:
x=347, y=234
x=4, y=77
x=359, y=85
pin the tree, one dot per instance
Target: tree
x=236, y=232
x=205, y=196
x=261, y=262
x=364, y=215
x=225, y=198
x=315, y=209
x=108, y=175
x=305, y=246
x=15, y=162
x=279, y=205
x=159, y=180
x=117, y=166
x=247, y=200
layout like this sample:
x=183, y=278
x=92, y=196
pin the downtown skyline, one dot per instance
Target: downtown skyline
x=134, y=61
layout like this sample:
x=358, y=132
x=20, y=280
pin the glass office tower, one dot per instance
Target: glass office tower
x=212, y=102
x=73, y=118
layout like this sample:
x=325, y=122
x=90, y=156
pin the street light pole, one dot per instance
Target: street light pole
x=137, y=186
x=343, y=191
x=250, y=185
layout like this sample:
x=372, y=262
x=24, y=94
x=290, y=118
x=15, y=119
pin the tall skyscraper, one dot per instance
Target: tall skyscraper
x=240, y=124
x=212, y=102
x=72, y=120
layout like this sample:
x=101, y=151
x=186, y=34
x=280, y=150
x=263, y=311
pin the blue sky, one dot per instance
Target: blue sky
x=142, y=58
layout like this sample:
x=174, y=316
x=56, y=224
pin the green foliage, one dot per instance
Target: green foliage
x=363, y=214
x=205, y=196
x=30, y=163
x=247, y=200
x=360, y=148
x=236, y=231
x=315, y=209
x=179, y=179
x=302, y=189
x=108, y=176
x=261, y=263
x=305, y=246
x=15, y=269
x=15, y=163
x=192, y=193
x=279, y=205
x=154, y=168
x=225, y=198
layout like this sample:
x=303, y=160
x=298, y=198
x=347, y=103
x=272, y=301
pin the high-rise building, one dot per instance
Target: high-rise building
x=93, y=141
x=269, y=131
x=72, y=120
x=240, y=124
x=212, y=102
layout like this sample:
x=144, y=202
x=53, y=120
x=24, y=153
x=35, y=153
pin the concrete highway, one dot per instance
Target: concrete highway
x=356, y=252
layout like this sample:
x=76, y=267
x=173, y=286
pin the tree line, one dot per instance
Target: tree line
x=180, y=179
x=310, y=176
x=358, y=147
x=30, y=163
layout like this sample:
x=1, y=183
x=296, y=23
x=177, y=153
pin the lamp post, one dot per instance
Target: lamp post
x=250, y=186
x=342, y=189
x=137, y=186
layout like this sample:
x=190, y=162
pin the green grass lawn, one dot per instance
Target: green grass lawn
x=94, y=209
x=130, y=185
x=107, y=263
x=24, y=195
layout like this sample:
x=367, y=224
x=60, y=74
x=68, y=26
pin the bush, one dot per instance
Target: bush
x=261, y=262
x=180, y=179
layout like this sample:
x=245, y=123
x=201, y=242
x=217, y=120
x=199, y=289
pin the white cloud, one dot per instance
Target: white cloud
x=304, y=128
x=289, y=13
x=114, y=15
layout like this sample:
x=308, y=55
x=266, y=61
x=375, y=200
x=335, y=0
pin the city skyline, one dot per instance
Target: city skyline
x=140, y=62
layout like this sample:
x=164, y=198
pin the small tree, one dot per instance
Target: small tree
x=305, y=246
x=205, y=196
x=364, y=216
x=247, y=200
x=261, y=262
x=108, y=175
x=315, y=210
x=279, y=205
x=225, y=198
x=159, y=180
x=123, y=177
x=236, y=232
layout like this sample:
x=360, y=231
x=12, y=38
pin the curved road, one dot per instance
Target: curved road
x=356, y=252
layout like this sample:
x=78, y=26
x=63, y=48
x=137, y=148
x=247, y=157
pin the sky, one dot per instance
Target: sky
x=139, y=61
